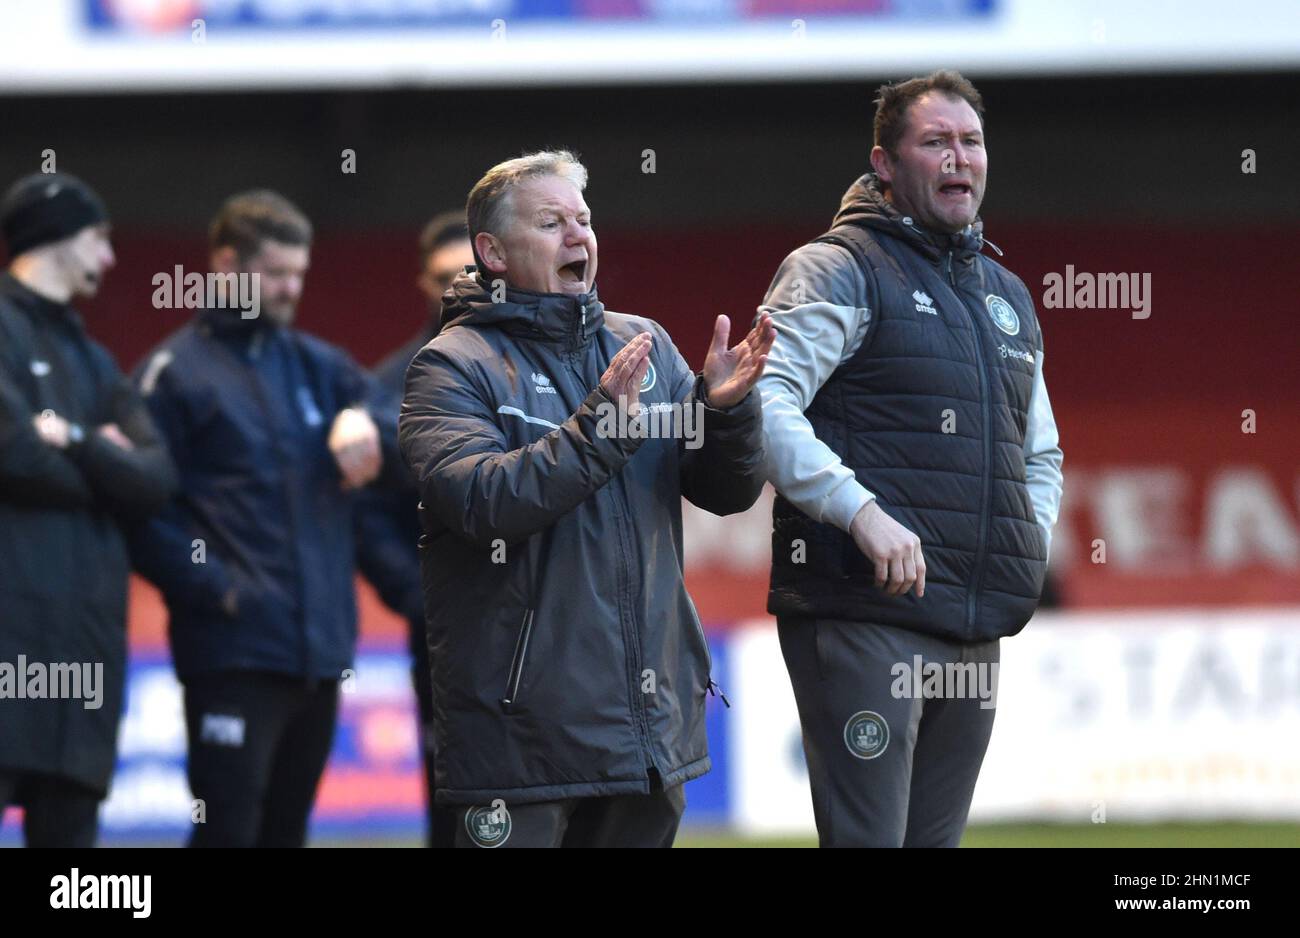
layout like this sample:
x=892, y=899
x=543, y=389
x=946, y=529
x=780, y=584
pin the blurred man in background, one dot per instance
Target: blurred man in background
x=444, y=252
x=78, y=455
x=255, y=557
x=910, y=438
x=569, y=668
x=388, y=526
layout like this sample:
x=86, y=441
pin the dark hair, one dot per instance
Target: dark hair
x=894, y=101
x=250, y=218
x=443, y=229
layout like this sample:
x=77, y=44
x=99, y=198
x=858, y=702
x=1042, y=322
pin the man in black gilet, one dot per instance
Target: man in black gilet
x=909, y=436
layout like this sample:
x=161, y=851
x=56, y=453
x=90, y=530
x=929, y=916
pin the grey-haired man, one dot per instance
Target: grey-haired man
x=569, y=667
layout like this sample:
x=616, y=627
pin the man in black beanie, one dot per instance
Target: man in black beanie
x=78, y=455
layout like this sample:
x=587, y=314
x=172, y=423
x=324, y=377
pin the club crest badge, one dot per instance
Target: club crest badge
x=866, y=734
x=488, y=826
x=1003, y=313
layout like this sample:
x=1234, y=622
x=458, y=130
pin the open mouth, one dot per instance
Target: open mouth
x=956, y=188
x=574, y=271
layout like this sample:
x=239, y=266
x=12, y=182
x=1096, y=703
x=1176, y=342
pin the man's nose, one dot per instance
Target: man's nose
x=574, y=233
x=959, y=154
x=110, y=259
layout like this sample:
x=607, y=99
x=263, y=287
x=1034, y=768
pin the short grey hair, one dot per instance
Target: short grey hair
x=490, y=207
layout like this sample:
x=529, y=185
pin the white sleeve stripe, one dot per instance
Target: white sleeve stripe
x=516, y=412
x=149, y=380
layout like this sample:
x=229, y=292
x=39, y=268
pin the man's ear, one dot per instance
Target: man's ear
x=491, y=252
x=224, y=260
x=882, y=164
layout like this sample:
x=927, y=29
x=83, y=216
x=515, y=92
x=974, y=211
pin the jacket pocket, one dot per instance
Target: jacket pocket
x=704, y=641
x=510, y=702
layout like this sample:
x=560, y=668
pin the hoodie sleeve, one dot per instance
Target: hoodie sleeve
x=471, y=482
x=1043, y=457
x=819, y=304
x=721, y=468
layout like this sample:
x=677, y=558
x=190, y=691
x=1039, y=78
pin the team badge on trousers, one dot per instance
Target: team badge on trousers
x=488, y=826
x=866, y=734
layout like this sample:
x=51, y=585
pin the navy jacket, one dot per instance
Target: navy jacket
x=63, y=560
x=246, y=408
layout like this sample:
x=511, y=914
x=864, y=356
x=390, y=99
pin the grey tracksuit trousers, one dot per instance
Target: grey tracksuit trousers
x=889, y=767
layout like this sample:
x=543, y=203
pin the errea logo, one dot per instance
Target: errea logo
x=542, y=384
x=923, y=303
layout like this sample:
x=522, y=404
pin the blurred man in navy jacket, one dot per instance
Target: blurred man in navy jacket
x=270, y=430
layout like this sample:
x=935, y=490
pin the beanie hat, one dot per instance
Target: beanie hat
x=47, y=207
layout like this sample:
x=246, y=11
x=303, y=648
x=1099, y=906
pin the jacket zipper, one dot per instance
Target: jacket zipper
x=510, y=701
x=631, y=641
x=699, y=630
x=249, y=369
x=972, y=591
x=718, y=692
x=630, y=637
x=708, y=657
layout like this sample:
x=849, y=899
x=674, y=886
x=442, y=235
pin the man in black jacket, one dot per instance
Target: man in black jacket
x=78, y=455
x=569, y=667
x=388, y=526
x=270, y=429
x=911, y=442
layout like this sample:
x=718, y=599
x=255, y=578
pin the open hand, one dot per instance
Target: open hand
x=729, y=374
x=622, y=379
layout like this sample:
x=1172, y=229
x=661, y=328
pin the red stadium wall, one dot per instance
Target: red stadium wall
x=1192, y=509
